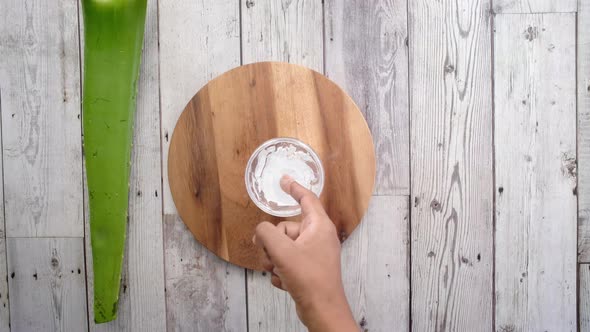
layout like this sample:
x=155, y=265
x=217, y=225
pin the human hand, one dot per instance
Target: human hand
x=304, y=259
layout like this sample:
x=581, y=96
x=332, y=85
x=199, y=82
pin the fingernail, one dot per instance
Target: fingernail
x=254, y=239
x=286, y=181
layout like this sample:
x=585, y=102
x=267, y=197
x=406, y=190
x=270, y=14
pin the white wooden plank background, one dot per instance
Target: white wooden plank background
x=362, y=46
x=534, y=6
x=198, y=41
x=4, y=305
x=289, y=31
x=367, y=55
x=535, y=151
x=141, y=298
x=583, y=74
x=376, y=266
x=584, y=291
x=451, y=165
x=47, y=284
x=40, y=79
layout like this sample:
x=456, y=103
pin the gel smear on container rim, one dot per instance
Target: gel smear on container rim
x=270, y=162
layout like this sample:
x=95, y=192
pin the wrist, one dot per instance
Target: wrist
x=329, y=314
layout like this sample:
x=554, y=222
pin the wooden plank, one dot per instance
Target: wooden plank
x=584, y=296
x=376, y=269
x=4, y=307
x=47, y=286
x=534, y=6
x=451, y=165
x=288, y=31
x=269, y=308
x=583, y=74
x=367, y=54
x=198, y=41
x=141, y=298
x=39, y=71
x=534, y=71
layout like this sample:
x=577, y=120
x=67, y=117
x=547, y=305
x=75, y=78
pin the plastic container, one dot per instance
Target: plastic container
x=270, y=162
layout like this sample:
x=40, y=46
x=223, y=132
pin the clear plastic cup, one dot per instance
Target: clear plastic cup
x=270, y=162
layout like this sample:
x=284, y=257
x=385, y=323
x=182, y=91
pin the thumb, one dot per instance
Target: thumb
x=275, y=242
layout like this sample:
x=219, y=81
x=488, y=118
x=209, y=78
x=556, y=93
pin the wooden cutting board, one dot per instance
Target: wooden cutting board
x=236, y=112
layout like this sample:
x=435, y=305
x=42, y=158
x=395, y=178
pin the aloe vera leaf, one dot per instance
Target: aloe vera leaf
x=113, y=36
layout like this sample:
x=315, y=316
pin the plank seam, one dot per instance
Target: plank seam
x=246, y=295
x=323, y=37
x=533, y=13
x=492, y=69
x=44, y=237
x=241, y=35
x=4, y=213
x=241, y=64
x=88, y=318
x=409, y=203
x=161, y=161
x=577, y=290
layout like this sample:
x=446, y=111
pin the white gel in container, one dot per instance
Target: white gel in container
x=270, y=162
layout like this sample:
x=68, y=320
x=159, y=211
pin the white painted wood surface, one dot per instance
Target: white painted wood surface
x=584, y=306
x=40, y=78
x=288, y=31
x=451, y=165
x=367, y=55
x=4, y=307
x=141, y=298
x=47, y=287
x=535, y=153
x=534, y=6
x=269, y=308
x=583, y=73
x=198, y=41
x=364, y=46
x=376, y=266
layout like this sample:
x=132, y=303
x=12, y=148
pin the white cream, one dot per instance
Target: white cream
x=276, y=161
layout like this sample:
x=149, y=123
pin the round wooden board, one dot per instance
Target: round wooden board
x=235, y=113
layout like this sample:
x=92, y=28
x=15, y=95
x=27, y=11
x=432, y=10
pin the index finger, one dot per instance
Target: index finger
x=310, y=203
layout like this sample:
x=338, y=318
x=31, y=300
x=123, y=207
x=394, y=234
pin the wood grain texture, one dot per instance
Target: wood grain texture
x=230, y=117
x=583, y=74
x=376, y=266
x=47, y=287
x=269, y=308
x=451, y=165
x=584, y=296
x=4, y=303
x=198, y=41
x=141, y=298
x=367, y=55
x=534, y=6
x=203, y=293
x=287, y=31
x=39, y=71
x=535, y=152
